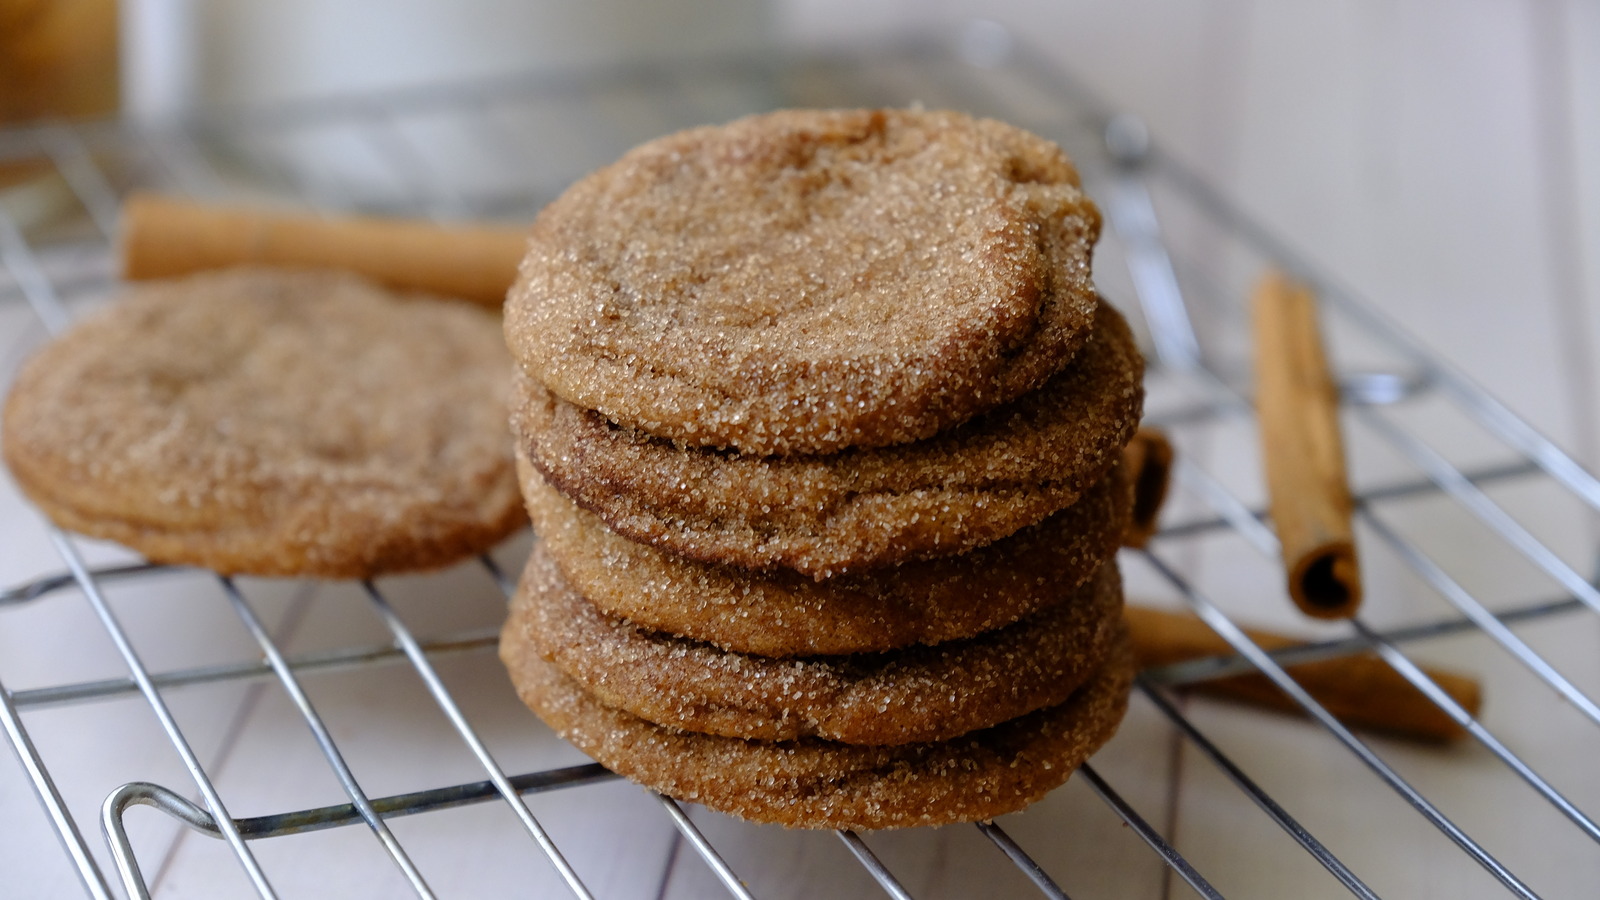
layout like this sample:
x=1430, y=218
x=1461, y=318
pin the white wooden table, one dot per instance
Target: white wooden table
x=1441, y=162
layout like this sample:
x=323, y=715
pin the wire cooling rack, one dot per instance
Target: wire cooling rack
x=357, y=740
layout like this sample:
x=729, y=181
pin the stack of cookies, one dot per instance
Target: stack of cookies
x=819, y=419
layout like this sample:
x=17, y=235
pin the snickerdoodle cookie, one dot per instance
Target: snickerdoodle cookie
x=910, y=695
x=782, y=613
x=860, y=508
x=815, y=783
x=804, y=281
x=273, y=422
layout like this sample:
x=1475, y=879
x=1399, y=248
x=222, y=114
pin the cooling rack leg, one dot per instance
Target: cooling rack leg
x=111, y=813
x=141, y=793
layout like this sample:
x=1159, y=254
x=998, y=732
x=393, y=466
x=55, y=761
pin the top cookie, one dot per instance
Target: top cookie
x=267, y=422
x=807, y=281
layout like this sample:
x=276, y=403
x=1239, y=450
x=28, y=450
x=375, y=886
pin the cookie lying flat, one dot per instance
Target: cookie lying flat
x=911, y=695
x=813, y=783
x=783, y=613
x=858, y=509
x=805, y=281
x=273, y=423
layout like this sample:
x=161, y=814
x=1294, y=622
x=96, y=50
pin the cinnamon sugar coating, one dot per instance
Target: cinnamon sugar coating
x=904, y=696
x=804, y=281
x=273, y=422
x=814, y=783
x=857, y=509
x=783, y=613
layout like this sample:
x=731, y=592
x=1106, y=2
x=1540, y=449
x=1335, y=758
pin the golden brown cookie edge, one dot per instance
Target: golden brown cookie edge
x=818, y=784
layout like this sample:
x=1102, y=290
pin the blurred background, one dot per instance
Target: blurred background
x=1444, y=157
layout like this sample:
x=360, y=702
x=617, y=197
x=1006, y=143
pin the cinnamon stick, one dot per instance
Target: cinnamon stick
x=1361, y=691
x=1148, y=459
x=164, y=237
x=1303, y=451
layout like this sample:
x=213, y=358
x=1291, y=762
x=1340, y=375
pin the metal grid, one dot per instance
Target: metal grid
x=1176, y=255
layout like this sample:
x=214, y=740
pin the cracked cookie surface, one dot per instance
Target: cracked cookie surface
x=273, y=422
x=805, y=281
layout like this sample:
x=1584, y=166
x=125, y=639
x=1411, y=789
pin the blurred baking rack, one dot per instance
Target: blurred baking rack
x=216, y=701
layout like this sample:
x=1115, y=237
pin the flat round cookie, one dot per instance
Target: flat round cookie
x=272, y=422
x=782, y=613
x=857, y=509
x=813, y=783
x=805, y=281
x=910, y=695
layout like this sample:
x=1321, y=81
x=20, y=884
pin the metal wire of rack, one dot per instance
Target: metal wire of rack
x=1175, y=255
